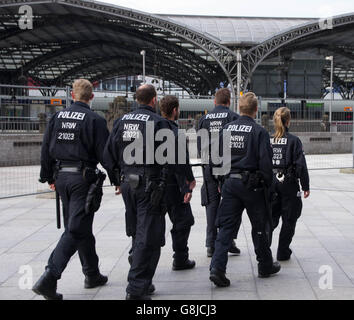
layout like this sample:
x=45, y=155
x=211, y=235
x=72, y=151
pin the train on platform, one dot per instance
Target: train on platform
x=31, y=106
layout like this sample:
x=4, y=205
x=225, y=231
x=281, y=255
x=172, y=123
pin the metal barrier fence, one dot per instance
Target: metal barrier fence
x=24, y=112
x=20, y=125
x=23, y=180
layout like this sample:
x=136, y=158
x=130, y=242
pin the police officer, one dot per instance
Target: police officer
x=251, y=171
x=289, y=165
x=130, y=152
x=180, y=185
x=73, y=144
x=214, y=121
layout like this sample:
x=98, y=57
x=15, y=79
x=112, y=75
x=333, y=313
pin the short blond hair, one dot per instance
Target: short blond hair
x=82, y=89
x=248, y=103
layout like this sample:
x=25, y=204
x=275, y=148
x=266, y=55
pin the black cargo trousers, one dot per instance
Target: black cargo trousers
x=147, y=228
x=235, y=198
x=211, y=200
x=182, y=220
x=288, y=206
x=78, y=235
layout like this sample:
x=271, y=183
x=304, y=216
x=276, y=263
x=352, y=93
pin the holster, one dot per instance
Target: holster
x=95, y=193
x=90, y=175
x=252, y=180
x=133, y=180
x=155, y=191
x=204, y=195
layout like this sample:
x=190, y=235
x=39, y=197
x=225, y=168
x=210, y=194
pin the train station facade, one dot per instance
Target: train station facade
x=53, y=42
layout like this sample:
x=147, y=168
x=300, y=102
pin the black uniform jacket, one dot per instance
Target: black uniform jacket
x=73, y=134
x=288, y=152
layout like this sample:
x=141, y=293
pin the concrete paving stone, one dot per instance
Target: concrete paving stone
x=340, y=279
x=12, y=212
x=118, y=277
x=107, y=264
x=44, y=255
x=314, y=253
x=15, y=293
x=286, y=292
x=45, y=236
x=234, y=295
x=10, y=236
x=324, y=236
x=305, y=242
x=334, y=244
x=11, y=262
x=37, y=269
x=338, y=293
x=314, y=266
x=198, y=274
x=343, y=258
x=349, y=271
x=188, y=297
x=182, y=287
x=31, y=246
x=67, y=288
x=111, y=293
x=324, y=231
x=70, y=297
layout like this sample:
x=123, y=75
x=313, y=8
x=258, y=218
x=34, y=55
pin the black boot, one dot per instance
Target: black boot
x=133, y=297
x=234, y=250
x=151, y=290
x=268, y=271
x=284, y=255
x=188, y=264
x=219, y=278
x=46, y=286
x=210, y=251
x=95, y=281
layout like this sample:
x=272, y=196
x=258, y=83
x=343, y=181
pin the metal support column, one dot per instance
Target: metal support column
x=239, y=78
x=68, y=98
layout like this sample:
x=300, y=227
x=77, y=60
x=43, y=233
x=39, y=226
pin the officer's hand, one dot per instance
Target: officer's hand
x=52, y=187
x=187, y=197
x=192, y=184
x=306, y=194
x=118, y=191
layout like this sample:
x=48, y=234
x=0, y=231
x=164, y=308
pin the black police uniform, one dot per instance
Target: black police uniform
x=250, y=153
x=74, y=140
x=180, y=213
x=289, y=165
x=144, y=222
x=214, y=121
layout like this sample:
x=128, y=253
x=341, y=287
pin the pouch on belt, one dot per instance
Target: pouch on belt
x=134, y=181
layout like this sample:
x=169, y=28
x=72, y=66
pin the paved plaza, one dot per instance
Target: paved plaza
x=325, y=237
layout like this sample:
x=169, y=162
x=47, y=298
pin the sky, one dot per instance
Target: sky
x=255, y=8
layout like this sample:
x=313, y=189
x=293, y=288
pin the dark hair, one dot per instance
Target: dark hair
x=223, y=96
x=167, y=104
x=145, y=94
